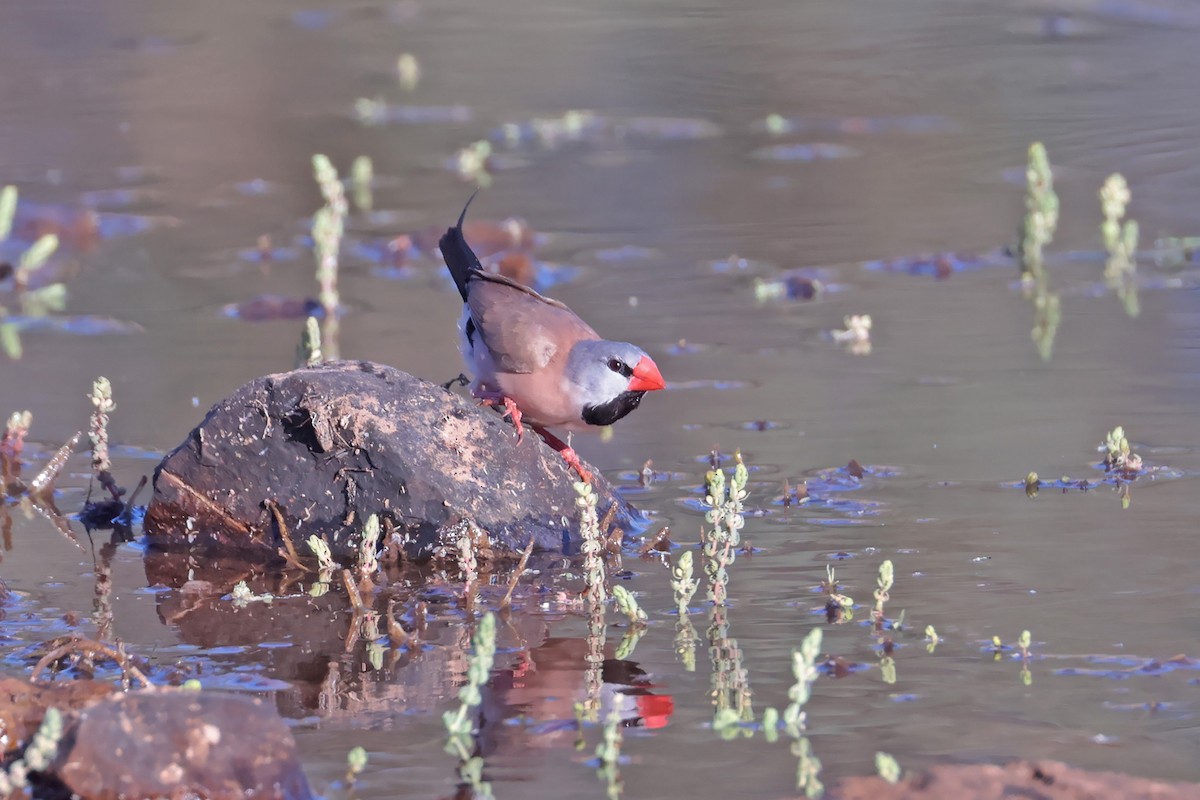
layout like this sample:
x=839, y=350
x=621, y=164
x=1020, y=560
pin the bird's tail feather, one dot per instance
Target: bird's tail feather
x=459, y=257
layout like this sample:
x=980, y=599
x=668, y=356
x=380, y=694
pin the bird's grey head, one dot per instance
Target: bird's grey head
x=598, y=374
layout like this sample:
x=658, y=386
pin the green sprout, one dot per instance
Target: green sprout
x=932, y=635
x=887, y=767
x=1120, y=242
x=356, y=762
x=1037, y=231
x=308, y=352
x=408, y=70
x=628, y=605
x=362, y=175
x=838, y=607
x=883, y=585
x=8, y=210
x=593, y=542
x=682, y=582
x=1117, y=454
x=725, y=515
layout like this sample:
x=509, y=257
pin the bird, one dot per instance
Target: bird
x=537, y=358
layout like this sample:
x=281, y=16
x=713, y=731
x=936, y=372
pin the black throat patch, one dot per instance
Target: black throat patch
x=613, y=410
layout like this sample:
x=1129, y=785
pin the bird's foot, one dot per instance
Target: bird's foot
x=568, y=454
x=510, y=409
x=461, y=380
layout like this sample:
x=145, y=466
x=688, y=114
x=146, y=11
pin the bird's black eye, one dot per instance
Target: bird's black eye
x=620, y=367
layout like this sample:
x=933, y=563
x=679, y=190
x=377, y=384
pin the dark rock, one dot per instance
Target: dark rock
x=1030, y=780
x=180, y=743
x=332, y=444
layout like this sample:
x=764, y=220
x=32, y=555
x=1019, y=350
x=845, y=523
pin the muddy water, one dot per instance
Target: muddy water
x=192, y=127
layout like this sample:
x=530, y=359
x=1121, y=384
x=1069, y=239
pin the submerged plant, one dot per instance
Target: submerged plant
x=804, y=670
x=459, y=727
x=608, y=753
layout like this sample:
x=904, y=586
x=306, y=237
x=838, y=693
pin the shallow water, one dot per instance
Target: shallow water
x=194, y=128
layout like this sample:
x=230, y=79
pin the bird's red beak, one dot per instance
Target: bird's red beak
x=646, y=377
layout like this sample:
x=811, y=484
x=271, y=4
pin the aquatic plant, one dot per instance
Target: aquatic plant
x=808, y=768
x=1023, y=644
x=725, y=517
x=102, y=406
x=1117, y=454
x=887, y=767
x=682, y=582
x=684, y=587
x=471, y=162
x=1037, y=231
x=368, y=548
x=608, y=753
x=8, y=210
x=408, y=71
x=356, y=762
x=38, y=755
x=856, y=335
x=328, y=228
x=459, y=728
x=242, y=595
x=804, y=670
x=627, y=604
x=308, y=352
x=1120, y=242
x=362, y=175
x=593, y=542
x=838, y=607
x=883, y=585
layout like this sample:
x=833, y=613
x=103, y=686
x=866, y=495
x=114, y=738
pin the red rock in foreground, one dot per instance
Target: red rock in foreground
x=1027, y=780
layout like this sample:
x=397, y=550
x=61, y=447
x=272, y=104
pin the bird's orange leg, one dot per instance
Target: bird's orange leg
x=488, y=398
x=566, y=451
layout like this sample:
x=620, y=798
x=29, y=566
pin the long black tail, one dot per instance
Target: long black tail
x=459, y=257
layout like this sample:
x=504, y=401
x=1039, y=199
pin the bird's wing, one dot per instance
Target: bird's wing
x=522, y=329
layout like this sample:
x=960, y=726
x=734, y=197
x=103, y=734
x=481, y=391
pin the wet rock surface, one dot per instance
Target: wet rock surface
x=1029, y=780
x=322, y=448
x=180, y=744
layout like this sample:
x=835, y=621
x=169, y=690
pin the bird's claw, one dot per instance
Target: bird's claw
x=568, y=454
x=461, y=380
x=510, y=410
